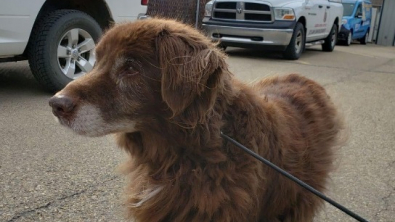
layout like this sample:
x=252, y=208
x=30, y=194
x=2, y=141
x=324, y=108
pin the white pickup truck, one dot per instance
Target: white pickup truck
x=58, y=37
x=285, y=25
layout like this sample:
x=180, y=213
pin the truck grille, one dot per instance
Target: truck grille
x=243, y=11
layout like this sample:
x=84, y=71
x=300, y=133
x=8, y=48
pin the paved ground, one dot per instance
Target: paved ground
x=49, y=174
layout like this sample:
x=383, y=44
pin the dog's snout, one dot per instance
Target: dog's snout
x=61, y=105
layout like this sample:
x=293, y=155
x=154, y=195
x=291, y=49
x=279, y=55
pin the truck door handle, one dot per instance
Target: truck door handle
x=320, y=6
x=328, y=6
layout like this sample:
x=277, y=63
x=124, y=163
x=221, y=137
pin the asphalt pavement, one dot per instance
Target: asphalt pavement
x=47, y=173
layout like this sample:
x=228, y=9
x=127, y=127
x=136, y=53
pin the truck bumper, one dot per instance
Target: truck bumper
x=246, y=37
x=142, y=16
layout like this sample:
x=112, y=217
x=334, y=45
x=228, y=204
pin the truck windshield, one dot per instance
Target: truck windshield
x=348, y=9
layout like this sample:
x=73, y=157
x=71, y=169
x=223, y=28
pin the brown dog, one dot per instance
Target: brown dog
x=166, y=92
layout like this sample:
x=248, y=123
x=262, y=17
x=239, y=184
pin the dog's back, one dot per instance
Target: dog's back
x=308, y=132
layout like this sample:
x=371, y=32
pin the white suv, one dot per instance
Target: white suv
x=58, y=37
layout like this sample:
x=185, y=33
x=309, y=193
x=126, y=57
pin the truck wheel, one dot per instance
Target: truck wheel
x=297, y=44
x=331, y=40
x=365, y=39
x=349, y=39
x=61, y=47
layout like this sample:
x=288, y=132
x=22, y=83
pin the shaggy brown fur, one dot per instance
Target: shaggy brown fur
x=166, y=91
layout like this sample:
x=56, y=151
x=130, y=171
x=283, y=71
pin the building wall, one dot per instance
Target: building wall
x=377, y=2
x=386, y=34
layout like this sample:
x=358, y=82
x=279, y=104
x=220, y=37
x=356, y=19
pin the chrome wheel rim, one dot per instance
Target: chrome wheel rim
x=349, y=39
x=75, y=53
x=298, y=42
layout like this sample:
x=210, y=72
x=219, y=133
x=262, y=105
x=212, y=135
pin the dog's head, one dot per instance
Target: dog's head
x=149, y=69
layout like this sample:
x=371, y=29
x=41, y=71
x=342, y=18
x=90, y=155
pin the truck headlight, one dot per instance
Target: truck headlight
x=344, y=21
x=208, y=11
x=284, y=14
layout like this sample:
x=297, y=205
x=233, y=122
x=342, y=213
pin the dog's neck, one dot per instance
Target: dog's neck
x=166, y=148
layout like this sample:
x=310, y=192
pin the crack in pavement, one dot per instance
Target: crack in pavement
x=21, y=214
x=386, y=204
x=386, y=198
x=389, y=61
x=56, y=201
x=356, y=70
x=342, y=79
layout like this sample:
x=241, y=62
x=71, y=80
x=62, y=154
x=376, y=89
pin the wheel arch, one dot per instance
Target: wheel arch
x=302, y=20
x=337, y=22
x=97, y=9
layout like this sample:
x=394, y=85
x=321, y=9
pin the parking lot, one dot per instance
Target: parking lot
x=47, y=173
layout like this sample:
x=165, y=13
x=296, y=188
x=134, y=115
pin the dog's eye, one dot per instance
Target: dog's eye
x=132, y=71
x=128, y=72
x=126, y=77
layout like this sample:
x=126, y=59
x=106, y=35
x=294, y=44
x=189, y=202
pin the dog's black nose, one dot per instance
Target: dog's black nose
x=61, y=105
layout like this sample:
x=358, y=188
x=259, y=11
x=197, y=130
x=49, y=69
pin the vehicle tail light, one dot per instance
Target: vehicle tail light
x=144, y=2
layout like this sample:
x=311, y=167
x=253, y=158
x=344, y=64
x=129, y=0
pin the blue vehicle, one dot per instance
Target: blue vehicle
x=356, y=21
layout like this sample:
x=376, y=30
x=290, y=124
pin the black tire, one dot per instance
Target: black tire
x=45, y=38
x=331, y=40
x=349, y=39
x=364, y=40
x=292, y=52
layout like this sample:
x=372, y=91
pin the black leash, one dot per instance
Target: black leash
x=296, y=180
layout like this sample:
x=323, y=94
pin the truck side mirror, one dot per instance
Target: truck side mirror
x=359, y=15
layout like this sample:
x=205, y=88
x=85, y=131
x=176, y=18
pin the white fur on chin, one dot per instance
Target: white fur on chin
x=88, y=121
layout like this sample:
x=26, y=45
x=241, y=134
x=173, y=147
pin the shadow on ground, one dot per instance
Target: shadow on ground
x=17, y=77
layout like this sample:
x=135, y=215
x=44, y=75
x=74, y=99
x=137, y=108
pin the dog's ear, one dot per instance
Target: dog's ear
x=192, y=68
